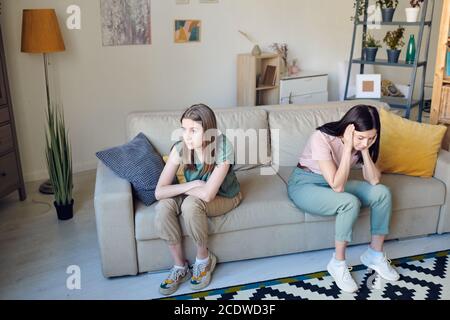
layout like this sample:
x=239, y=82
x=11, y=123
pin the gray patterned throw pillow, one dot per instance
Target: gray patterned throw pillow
x=137, y=162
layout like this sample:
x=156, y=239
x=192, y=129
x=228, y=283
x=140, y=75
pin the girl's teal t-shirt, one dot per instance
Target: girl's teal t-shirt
x=230, y=186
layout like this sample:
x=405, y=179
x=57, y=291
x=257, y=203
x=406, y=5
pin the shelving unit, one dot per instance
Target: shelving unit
x=11, y=176
x=440, y=107
x=250, y=72
x=406, y=103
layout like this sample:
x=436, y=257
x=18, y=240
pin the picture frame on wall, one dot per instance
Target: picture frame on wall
x=127, y=24
x=187, y=31
x=368, y=86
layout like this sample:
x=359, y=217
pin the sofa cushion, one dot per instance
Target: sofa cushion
x=407, y=192
x=265, y=203
x=409, y=147
x=137, y=162
x=163, y=130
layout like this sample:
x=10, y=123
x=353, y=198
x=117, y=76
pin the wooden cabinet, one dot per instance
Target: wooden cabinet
x=251, y=71
x=304, y=88
x=440, y=107
x=11, y=178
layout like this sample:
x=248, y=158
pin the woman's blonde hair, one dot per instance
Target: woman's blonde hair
x=204, y=115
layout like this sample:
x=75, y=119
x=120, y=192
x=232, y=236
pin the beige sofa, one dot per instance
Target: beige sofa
x=266, y=223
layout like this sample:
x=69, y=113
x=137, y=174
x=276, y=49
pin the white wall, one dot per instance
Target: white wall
x=100, y=85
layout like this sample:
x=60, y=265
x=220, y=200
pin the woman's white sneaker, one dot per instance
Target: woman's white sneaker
x=341, y=275
x=381, y=265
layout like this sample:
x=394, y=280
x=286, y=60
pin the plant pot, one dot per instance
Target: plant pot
x=371, y=53
x=393, y=55
x=412, y=14
x=65, y=211
x=387, y=14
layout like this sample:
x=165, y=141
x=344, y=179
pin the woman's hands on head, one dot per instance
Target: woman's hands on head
x=348, y=136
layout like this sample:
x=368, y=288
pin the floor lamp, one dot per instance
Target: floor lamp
x=41, y=34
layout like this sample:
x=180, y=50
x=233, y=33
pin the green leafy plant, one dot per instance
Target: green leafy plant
x=415, y=3
x=361, y=9
x=394, y=39
x=384, y=4
x=58, y=154
x=371, y=42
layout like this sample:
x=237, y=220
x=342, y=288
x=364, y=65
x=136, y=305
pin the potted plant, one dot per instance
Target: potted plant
x=59, y=162
x=387, y=9
x=413, y=12
x=394, y=41
x=282, y=50
x=361, y=5
x=371, y=47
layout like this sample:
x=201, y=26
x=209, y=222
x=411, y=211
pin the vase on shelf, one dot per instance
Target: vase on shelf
x=412, y=14
x=448, y=63
x=411, y=53
x=393, y=55
x=256, y=51
x=387, y=14
x=371, y=53
x=294, y=68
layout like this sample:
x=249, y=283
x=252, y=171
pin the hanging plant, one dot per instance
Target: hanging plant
x=361, y=4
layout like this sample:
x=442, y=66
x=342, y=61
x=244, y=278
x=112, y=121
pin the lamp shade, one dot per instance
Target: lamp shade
x=40, y=31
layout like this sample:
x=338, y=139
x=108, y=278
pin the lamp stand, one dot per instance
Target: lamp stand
x=46, y=187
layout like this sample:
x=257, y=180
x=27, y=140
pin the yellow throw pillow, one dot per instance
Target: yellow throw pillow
x=180, y=172
x=408, y=147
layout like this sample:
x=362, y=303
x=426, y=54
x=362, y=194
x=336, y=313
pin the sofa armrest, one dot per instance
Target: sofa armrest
x=114, y=215
x=442, y=172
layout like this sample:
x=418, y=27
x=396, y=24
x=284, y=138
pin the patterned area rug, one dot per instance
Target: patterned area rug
x=423, y=277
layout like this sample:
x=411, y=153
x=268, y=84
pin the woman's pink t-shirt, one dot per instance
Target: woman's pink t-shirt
x=322, y=146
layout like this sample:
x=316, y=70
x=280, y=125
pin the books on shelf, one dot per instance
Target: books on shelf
x=270, y=76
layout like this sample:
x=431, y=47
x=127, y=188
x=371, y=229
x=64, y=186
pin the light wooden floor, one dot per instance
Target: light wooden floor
x=36, y=249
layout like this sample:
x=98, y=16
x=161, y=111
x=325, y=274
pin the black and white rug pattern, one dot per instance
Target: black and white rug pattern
x=423, y=277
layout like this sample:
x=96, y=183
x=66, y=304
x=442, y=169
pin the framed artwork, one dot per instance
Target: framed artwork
x=368, y=86
x=187, y=31
x=125, y=22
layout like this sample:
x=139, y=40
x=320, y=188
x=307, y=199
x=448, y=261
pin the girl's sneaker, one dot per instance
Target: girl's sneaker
x=381, y=265
x=176, y=277
x=341, y=275
x=201, y=272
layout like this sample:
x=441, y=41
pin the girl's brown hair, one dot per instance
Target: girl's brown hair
x=205, y=116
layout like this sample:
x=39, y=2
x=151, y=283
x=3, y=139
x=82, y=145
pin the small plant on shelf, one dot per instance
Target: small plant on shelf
x=394, y=41
x=371, y=42
x=282, y=50
x=415, y=3
x=371, y=46
x=387, y=9
x=385, y=4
